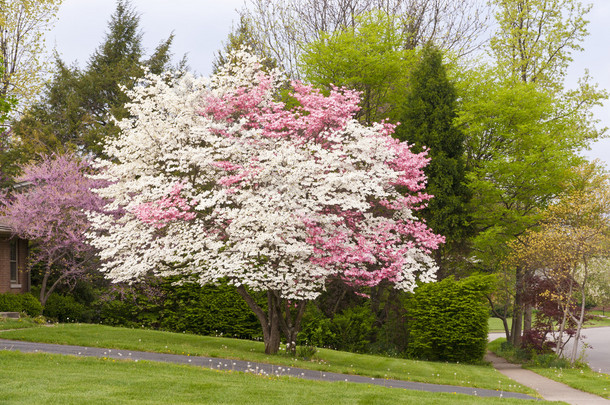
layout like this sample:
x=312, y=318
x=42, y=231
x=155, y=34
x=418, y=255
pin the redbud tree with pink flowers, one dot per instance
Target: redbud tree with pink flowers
x=50, y=210
x=220, y=179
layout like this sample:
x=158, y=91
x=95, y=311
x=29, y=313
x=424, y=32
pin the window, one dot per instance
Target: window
x=14, y=268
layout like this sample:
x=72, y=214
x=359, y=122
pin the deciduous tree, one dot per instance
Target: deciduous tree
x=523, y=127
x=50, y=211
x=23, y=24
x=220, y=180
x=575, y=230
x=286, y=27
x=369, y=57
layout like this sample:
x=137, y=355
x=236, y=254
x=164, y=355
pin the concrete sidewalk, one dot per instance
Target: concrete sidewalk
x=248, y=367
x=547, y=388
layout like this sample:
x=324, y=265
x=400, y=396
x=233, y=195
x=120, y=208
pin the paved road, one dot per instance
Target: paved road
x=597, y=353
x=237, y=365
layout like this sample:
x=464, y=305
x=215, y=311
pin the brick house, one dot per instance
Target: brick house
x=13, y=254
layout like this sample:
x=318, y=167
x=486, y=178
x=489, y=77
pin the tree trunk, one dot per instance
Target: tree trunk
x=581, y=316
x=269, y=323
x=527, y=318
x=503, y=317
x=291, y=324
x=517, y=326
x=280, y=318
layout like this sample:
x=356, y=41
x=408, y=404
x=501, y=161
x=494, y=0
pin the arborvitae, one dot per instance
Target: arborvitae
x=427, y=121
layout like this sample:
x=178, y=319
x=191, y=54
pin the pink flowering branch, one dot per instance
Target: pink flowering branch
x=168, y=209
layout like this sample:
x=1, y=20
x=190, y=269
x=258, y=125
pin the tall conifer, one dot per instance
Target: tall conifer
x=427, y=122
x=78, y=108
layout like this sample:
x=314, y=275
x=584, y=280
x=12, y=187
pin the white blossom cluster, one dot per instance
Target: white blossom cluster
x=252, y=193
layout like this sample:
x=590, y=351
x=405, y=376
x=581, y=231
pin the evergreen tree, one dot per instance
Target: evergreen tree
x=78, y=108
x=243, y=36
x=427, y=122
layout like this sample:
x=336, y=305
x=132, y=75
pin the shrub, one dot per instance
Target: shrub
x=449, y=319
x=65, y=309
x=208, y=310
x=316, y=329
x=353, y=328
x=20, y=303
x=188, y=307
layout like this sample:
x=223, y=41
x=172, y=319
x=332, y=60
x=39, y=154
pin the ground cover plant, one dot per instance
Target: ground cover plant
x=579, y=376
x=481, y=376
x=26, y=380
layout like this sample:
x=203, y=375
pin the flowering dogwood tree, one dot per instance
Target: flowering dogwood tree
x=50, y=210
x=219, y=179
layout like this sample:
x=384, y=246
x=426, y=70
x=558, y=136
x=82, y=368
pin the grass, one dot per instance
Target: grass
x=597, y=321
x=480, y=376
x=495, y=324
x=26, y=379
x=21, y=323
x=580, y=377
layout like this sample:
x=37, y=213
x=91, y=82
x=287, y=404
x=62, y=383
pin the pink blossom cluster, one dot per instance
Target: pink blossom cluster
x=172, y=208
x=291, y=190
x=312, y=118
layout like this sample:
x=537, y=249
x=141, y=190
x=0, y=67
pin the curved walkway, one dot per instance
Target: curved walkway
x=547, y=388
x=248, y=367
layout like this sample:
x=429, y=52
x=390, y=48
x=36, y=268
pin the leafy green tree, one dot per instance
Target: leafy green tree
x=368, y=57
x=523, y=128
x=78, y=108
x=535, y=39
x=427, y=122
x=23, y=24
x=287, y=27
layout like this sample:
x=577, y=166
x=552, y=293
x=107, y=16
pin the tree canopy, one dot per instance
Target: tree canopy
x=79, y=106
x=220, y=180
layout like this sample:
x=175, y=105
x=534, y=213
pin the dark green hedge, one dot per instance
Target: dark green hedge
x=64, y=308
x=449, y=320
x=208, y=310
x=189, y=307
x=20, y=303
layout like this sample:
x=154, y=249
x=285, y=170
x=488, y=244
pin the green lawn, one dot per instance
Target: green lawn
x=495, y=324
x=481, y=376
x=54, y=379
x=21, y=323
x=582, y=378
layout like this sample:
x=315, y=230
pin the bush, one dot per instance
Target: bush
x=208, y=310
x=20, y=303
x=163, y=304
x=353, y=328
x=65, y=309
x=449, y=320
x=316, y=329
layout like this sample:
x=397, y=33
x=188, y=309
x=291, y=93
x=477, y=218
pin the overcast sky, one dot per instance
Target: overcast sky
x=200, y=27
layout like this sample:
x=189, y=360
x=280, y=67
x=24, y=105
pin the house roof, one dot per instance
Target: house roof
x=5, y=228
